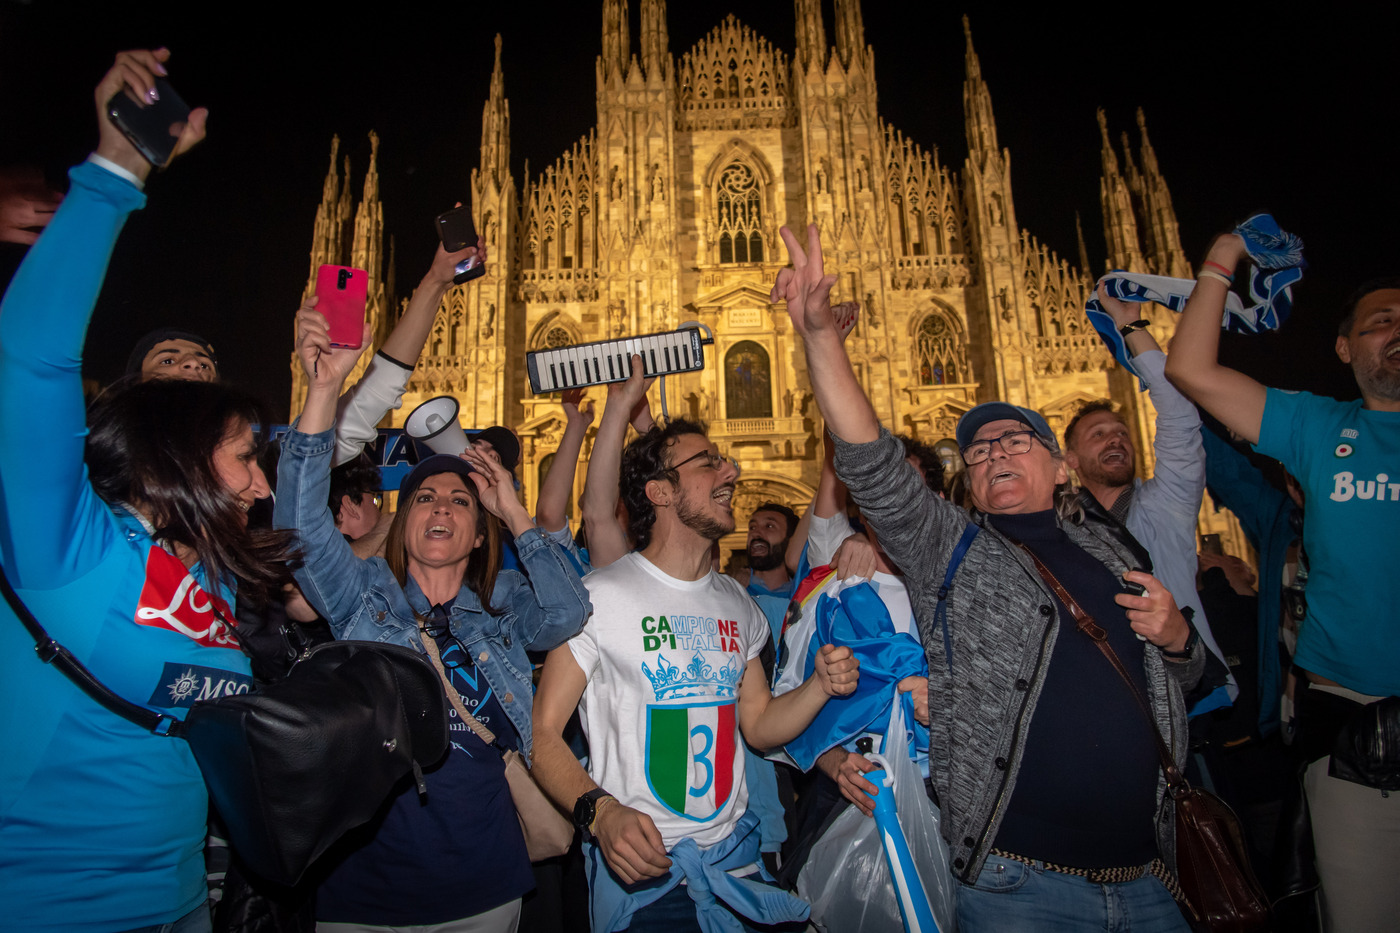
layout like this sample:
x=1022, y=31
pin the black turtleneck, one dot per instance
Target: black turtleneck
x=1086, y=789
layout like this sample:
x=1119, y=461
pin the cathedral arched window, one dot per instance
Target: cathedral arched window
x=739, y=205
x=557, y=337
x=938, y=358
x=748, y=391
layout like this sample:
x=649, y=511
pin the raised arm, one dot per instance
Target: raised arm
x=329, y=577
x=1179, y=477
x=380, y=390
x=627, y=402
x=554, y=604
x=793, y=558
x=551, y=509
x=807, y=290
x=829, y=499
x=1194, y=364
x=325, y=366
x=47, y=508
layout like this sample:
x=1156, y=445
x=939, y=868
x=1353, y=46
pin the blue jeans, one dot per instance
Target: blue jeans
x=196, y=921
x=1011, y=895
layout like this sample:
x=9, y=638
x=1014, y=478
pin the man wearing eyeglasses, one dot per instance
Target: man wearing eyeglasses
x=666, y=678
x=1018, y=692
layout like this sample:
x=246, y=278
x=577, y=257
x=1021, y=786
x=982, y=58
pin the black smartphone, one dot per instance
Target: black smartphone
x=1210, y=544
x=153, y=128
x=455, y=230
x=1137, y=589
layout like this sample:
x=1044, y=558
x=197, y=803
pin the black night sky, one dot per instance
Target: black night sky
x=1246, y=110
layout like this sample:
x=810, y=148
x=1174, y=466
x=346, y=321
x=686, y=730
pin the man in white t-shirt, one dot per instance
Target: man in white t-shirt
x=666, y=677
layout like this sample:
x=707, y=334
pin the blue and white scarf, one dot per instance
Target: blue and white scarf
x=1277, y=264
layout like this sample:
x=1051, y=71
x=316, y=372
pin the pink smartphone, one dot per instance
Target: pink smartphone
x=342, y=291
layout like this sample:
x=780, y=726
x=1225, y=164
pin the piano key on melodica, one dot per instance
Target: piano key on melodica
x=605, y=361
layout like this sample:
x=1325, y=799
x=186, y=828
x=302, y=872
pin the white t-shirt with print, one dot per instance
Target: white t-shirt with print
x=664, y=658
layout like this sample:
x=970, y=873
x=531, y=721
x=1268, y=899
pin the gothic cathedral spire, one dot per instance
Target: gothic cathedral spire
x=1119, y=224
x=811, y=35
x=495, y=127
x=850, y=34
x=617, y=40
x=1084, y=265
x=469, y=335
x=999, y=296
x=328, y=234
x=1163, y=238
x=367, y=251
x=977, y=105
x=656, y=43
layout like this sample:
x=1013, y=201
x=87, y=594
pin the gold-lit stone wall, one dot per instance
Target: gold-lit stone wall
x=667, y=211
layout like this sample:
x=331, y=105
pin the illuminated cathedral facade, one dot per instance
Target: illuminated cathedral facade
x=667, y=211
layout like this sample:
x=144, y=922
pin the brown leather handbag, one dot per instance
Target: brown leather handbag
x=1218, y=890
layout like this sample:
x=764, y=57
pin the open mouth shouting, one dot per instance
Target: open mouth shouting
x=1002, y=476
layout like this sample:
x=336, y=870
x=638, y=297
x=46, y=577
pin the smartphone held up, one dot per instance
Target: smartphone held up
x=455, y=230
x=154, y=127
x=342, y=292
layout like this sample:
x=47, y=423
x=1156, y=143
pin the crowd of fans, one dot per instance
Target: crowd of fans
x=704, y=730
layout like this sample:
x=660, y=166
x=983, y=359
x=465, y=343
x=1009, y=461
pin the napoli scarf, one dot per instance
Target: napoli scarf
x=1277, y=264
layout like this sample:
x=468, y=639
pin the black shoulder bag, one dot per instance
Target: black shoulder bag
x=294, y=766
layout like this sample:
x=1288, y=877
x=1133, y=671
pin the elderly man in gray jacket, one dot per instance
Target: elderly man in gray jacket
x=1052, y=798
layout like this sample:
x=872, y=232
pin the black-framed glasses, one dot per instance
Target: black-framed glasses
x=1013, y=442
x=716, y=461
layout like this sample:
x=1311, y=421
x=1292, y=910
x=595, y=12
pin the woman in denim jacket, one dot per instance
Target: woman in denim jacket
x=458, y=853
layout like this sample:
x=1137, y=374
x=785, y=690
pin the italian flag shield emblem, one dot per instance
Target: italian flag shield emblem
x=690, y=757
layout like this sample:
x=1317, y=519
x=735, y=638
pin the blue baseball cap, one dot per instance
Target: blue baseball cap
x=432, y=466
x=987, y=412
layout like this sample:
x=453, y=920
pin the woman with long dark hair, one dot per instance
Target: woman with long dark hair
x=130, y=562
x=455, y=861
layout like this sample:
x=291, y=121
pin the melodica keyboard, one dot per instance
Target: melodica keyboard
x=605, y=361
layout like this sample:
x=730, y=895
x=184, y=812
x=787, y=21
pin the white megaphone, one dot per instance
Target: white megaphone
x=434, y=423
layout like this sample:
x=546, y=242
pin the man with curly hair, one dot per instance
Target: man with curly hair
x=666, y=678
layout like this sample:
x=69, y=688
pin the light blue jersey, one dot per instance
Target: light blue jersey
x=102, y=825
x=1347, y=459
